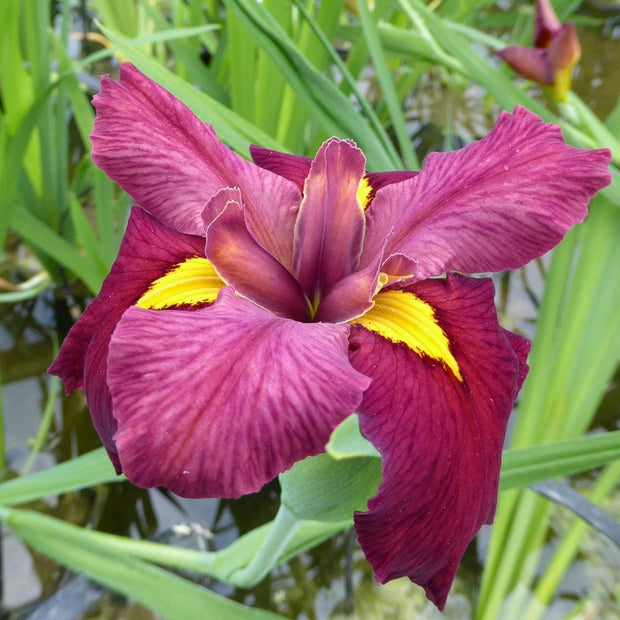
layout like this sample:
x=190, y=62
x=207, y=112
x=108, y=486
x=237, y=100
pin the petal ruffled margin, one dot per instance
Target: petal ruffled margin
x=440, y=438
x=295, y=168
x=240, y=395
x=454, y=215
x=172, y=163
x=148, y=251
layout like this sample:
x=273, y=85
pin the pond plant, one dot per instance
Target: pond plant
x=312, y=316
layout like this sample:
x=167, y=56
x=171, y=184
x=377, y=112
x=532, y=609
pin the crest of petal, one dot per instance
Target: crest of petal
x=440, y=439
x=329, y=231
x=378, y=180
x=172, y=163
x=240, y=395
x=148, y=251
x=242, y=262
x=494, y=205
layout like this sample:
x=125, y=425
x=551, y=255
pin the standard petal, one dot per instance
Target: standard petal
x=216, y=402
x=329, y=231
x=172, y=163
x=494, y=205
x=243, y=263
x=439, y=432
x=148, y=251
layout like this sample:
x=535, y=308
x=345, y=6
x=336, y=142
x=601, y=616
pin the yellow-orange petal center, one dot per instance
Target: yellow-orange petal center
x=401, y=317
x=191, y=282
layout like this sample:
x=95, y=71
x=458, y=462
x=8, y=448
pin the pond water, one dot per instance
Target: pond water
x=328, y=581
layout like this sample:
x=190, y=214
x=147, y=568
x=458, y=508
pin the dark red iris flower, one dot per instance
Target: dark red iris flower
x=254, y=306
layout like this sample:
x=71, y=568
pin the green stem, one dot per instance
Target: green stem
x=46, y=422
x=282, y=530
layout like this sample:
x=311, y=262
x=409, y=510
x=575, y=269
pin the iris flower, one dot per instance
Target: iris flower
x=254, y=306
x=556, y=51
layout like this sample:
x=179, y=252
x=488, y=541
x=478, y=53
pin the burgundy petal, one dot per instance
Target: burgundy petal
x=172, y=163
x=565, y=49
x=494, y=205
x=147, y=252
x=330, y=227
x=378, y=180
x=352, y=296
x=242, y=262
x=546, y=23
x=440, y=437
x=216, y=402
x=295, y=168
x=531, y=63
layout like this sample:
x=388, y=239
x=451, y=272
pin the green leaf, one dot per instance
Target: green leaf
x=35, y=232
x=163, y=592
x=525, y=466
x=320, y=95
x=347, y=441
x=13, y=154
x=83, y=471
x=386, y=82
x=29, y=289
x=320, y=488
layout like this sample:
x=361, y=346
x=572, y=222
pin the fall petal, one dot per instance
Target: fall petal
x=494, y=205
x=172, y=163
x=216, y=402
x=437, y=412
x=147, y=252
